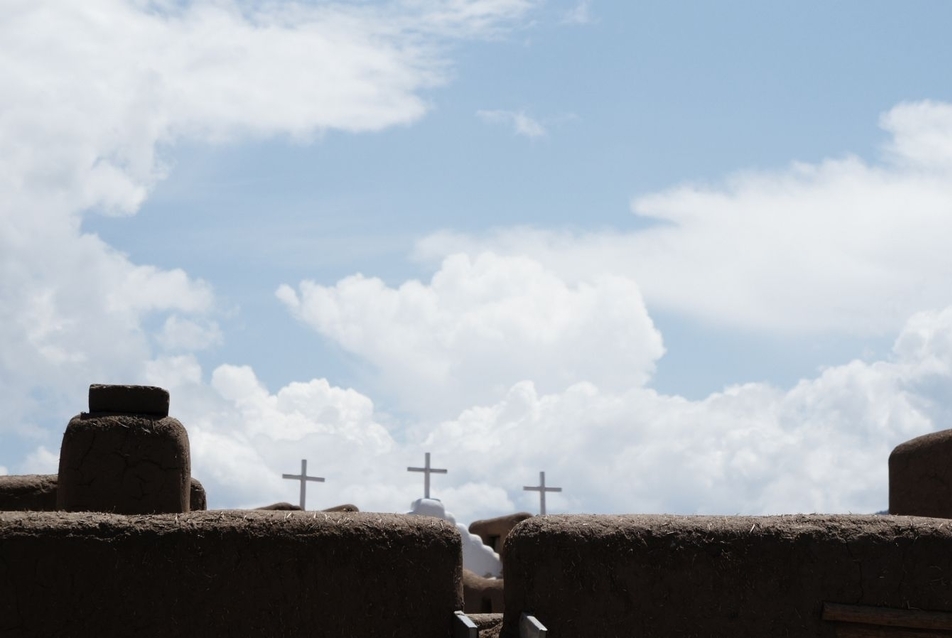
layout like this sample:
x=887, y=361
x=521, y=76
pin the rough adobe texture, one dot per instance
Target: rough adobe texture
x=228, y=573
x=920, y=476
x=719, y=576
x=129, y=399
x=289, y=507
x=34, y=492
x=127, y=464
x=37, y=493
x=197, y=499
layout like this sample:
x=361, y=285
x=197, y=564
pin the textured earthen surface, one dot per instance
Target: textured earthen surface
x=228, y=573
x=129, y=399
x=28, y=492
x=719, y=576
x=289, y=507
x=127, y=464
x=283, y=506
x=482, y=595
x=920, y=476
x=37, y=492
x=488, y=625
x=197, y=499
x=347, y=507
x=493, y=531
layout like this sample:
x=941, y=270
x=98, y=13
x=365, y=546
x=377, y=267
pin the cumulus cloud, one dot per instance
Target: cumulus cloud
x=41, y=461
x=844, y=245
x=821, y=445
x=520, y=123
x=188, y=335
x=481, y=324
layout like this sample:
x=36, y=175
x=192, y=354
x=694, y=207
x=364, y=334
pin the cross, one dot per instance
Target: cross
x=542, y=489
x=304, y=478
x=427, y=470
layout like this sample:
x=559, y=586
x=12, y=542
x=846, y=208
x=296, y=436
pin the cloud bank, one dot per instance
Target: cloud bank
x=843, y=246
x=821, y=445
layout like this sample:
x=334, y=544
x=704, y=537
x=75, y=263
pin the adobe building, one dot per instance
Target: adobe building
x=482, y=595
x=494, y=531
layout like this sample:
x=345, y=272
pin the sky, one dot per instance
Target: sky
x=684, y=257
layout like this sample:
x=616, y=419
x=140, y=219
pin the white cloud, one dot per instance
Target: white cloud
x=482, y=324
x=580, y=14
x=843, y=245
x=921, y=134
x=521, y=123
x=40, y=461
x=189, y=335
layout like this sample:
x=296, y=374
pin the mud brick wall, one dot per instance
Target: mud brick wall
x=227, y=573
x=37, y=492
x=719, y=576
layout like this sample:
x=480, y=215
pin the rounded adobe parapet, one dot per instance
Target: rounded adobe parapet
x=28, y=492
x=920, y=476
x=124, y=463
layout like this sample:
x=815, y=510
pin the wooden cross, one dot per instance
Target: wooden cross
x=304, y=478
x=542, y=489
x=427, y=470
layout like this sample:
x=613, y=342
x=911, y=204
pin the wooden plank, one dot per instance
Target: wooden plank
x=887, y=616
x=850, y=630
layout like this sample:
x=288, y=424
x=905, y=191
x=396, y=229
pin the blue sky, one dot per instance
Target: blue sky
x=692, y=249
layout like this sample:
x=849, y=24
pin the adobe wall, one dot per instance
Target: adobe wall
x=37, y=493
x=34, y=492
x=719, y=576
x=493, y=531
x=227, y=573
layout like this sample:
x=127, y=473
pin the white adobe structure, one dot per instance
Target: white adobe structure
x=477, y=557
